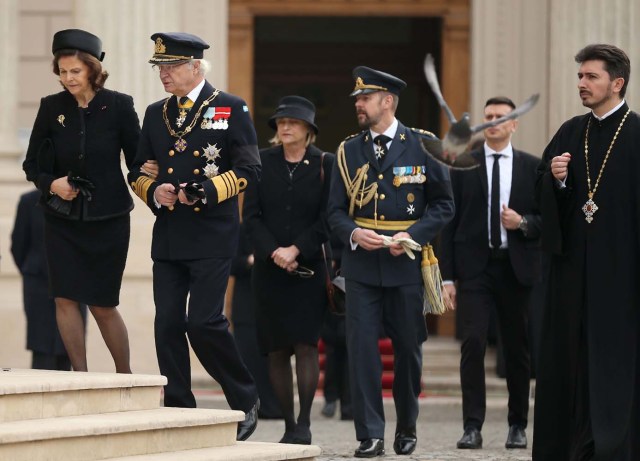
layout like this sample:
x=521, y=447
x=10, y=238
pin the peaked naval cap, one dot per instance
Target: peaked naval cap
x=176, y=47
x=370, y=80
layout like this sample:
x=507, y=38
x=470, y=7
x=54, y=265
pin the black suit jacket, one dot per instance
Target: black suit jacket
x=27, y=237
x=464, y=251
x=87, y=143
x=229, y=146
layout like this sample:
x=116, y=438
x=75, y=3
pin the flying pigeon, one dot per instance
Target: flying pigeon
x=455, y=142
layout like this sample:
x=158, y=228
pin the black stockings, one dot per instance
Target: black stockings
x=281, y=374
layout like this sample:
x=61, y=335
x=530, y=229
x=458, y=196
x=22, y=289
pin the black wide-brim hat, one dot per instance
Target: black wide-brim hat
x=295, y=107
x=370, y=80
x=176, y=47
x=76, y=39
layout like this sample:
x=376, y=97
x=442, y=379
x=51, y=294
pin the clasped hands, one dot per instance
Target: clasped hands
x=285, y=257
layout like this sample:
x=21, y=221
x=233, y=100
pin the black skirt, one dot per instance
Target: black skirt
x=86, y=259
x=289, y=309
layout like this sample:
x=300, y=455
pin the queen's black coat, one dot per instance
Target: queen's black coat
x=87, y=143
x=590, y=347
x=280, y=212
x=86, y=249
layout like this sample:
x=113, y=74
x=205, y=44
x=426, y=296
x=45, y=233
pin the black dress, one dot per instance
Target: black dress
x=284, y=210
x=87, y=248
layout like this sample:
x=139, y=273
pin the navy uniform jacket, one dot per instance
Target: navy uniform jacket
x=87, y=143
x=421, y=209
x=223, y=140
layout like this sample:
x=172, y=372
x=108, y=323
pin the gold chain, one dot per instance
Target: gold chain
x=188, y=129
x=590, y=192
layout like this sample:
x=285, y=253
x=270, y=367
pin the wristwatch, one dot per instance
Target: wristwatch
x=523, y=225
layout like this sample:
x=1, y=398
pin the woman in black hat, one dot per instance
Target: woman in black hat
x=74, y=159
x=286, y=216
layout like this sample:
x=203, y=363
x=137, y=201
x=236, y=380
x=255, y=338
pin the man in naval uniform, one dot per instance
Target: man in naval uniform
x=205, y=146
x=385, y=184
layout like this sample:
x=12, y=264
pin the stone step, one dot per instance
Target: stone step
x=242, y=451
x=34, y=394
x=112, y=435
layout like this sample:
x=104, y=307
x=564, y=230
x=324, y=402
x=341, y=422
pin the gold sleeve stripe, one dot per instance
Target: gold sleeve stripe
x=228, y=185
x=141, y=186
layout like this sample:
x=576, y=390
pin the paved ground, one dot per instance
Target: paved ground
x=439, y=428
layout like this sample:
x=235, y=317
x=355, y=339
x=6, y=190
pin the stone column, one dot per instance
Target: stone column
x=576, y=23
x=9, y=146
x=510, y=46
x=125, y=28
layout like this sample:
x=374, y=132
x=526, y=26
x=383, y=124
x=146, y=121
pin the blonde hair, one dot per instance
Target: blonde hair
x=311, y=137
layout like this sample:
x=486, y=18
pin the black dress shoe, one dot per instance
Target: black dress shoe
x=516, y=438
x=287, y=437
x=302, y=435
x=405, y=442
x=246, y=427
x=471, y=439
x=370, y=448
x=329, y=409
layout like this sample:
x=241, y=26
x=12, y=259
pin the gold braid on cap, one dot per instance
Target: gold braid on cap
x=360, y=85
x=356, y=187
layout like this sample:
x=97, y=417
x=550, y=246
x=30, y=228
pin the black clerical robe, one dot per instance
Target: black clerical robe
x=589, y=372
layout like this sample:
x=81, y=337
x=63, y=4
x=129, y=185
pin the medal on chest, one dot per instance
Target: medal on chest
x=180, y=144
x=182, y=116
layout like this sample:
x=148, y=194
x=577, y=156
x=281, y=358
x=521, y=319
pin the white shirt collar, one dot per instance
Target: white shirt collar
x=391, y=131
x=506, y=152
x=193, y=94
x=610, y=112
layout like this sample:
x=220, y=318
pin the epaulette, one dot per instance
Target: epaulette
x=424, y=132
x=351, y=136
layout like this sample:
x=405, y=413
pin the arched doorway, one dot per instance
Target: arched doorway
x=449, y=18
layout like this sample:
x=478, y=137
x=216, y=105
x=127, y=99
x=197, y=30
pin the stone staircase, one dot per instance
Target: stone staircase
x=52, y=415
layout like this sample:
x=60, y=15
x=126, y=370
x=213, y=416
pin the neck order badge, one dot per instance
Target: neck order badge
x=590, y=207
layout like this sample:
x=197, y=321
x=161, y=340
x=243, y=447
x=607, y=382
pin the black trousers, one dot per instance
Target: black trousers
x=204, y=283
x=496, y=287
x=399, y=311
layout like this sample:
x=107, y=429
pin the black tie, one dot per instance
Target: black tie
x=496, y=239
x=380, y=147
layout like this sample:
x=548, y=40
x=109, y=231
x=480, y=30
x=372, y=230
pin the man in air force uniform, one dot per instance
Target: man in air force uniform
x=385, y=184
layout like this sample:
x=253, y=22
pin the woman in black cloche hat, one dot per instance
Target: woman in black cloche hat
x=286, y=217
x=74, y=159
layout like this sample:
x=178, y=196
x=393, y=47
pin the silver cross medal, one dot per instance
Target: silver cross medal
x=589, y=208
x=378, y=150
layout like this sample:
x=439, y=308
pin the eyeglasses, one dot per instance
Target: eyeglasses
x=302, y=272
x=168, y=68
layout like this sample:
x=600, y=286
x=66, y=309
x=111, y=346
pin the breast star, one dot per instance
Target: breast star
x=212, y=152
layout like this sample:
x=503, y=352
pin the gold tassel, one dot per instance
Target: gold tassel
x=434, y=302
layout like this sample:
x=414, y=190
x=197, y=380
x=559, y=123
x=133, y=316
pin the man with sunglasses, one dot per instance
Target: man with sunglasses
x=205, y=146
